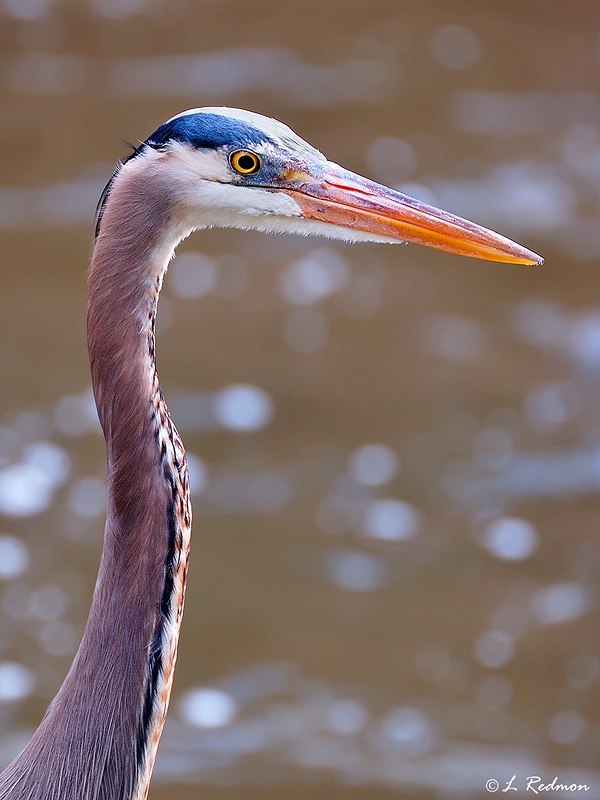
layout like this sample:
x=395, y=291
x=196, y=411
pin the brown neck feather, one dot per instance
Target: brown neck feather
x=99, y=737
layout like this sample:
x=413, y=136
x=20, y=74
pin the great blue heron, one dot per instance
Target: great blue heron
x=208, y=167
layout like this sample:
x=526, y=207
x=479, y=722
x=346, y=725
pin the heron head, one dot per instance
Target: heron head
x=234, y=168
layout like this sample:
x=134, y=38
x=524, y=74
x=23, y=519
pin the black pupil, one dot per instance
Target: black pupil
x=247, y=163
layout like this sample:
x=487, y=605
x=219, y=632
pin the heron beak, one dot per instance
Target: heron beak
x=335, y=195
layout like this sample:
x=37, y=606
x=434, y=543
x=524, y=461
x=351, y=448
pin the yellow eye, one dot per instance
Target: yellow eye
x=245, y=162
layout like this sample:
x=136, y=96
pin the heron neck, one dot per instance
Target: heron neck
x=144, y=560
x=99, y=737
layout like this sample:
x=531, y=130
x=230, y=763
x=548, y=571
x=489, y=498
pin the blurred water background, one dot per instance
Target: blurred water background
x=395, y=453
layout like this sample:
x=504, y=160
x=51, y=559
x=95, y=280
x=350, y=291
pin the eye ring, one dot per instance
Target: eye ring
x=244, y=162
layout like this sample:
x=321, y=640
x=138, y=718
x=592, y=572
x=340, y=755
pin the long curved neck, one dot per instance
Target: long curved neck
x=99, y=737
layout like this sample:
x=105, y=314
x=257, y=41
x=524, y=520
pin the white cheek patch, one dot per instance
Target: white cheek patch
x=230, y=204
x=205, y=182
